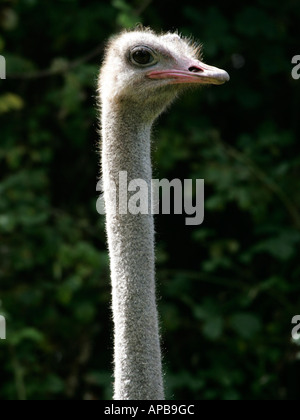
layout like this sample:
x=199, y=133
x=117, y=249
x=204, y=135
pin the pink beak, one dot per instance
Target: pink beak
x=197, y=72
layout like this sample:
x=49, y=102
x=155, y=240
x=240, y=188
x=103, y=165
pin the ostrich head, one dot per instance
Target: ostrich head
x=146, y=71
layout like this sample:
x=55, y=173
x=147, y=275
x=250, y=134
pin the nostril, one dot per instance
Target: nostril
x=195, y=69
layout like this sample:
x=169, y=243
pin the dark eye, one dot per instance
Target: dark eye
x=142, y=56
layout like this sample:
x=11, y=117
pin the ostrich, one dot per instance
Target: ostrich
x=142, y=73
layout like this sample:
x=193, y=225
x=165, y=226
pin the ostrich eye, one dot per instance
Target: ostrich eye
x=142, y=56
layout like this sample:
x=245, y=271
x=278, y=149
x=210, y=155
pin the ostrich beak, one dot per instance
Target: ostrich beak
x=196, y=72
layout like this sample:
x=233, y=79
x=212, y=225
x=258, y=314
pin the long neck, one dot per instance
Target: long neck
x=137, y=355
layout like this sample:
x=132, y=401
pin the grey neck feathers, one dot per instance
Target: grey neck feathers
x=137, y=356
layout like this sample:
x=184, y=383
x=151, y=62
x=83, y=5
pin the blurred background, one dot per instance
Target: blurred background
x=228, y=289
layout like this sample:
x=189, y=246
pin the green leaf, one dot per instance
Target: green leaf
x=213, y=328
x=30, y=334
x=10, y=102
x=247, y=325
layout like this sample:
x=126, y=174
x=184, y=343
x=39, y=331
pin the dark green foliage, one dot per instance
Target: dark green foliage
x=229, y=288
